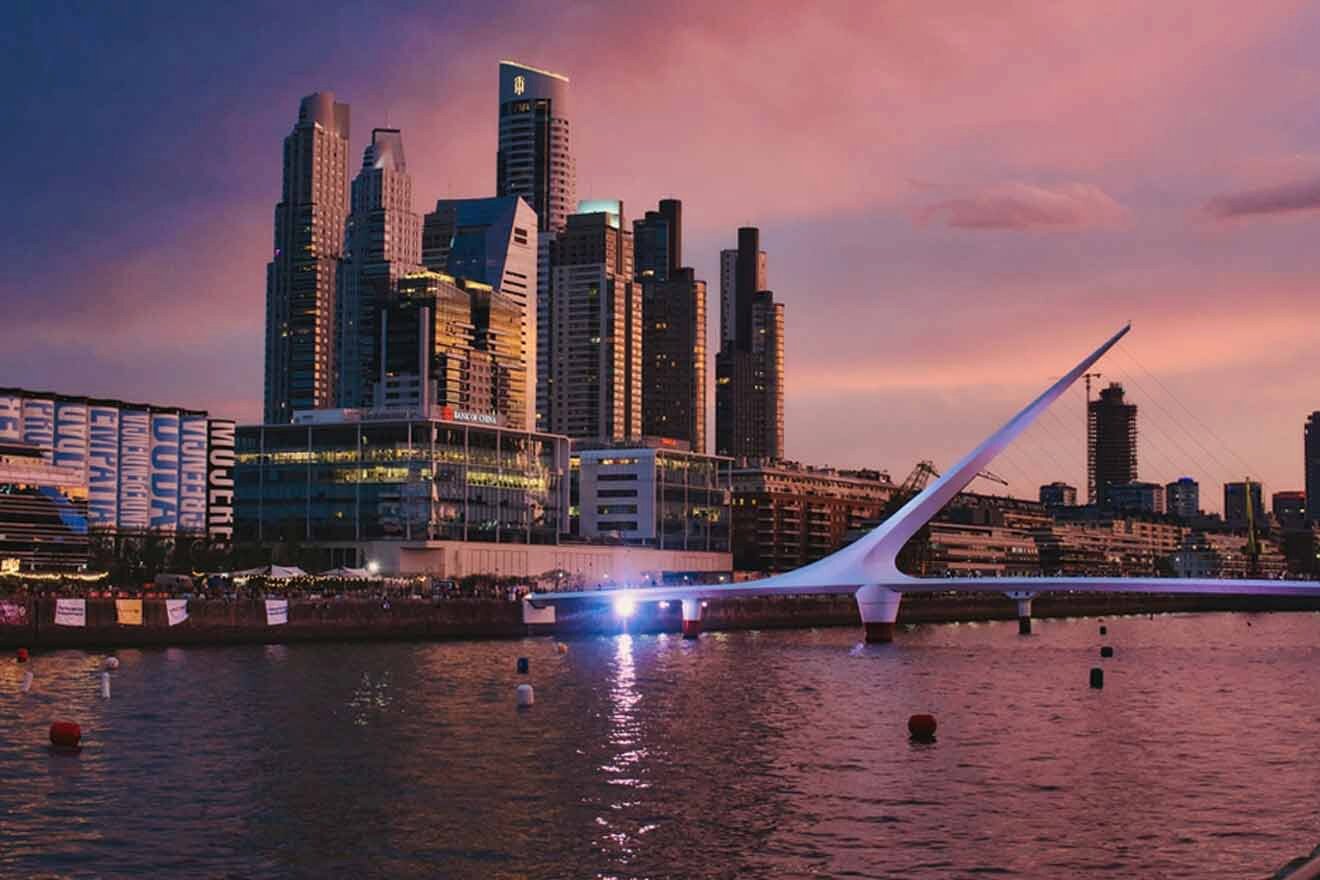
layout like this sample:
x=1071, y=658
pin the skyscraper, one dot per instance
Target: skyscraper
x=535, y=161
x=1111, y=443
x=493, y=241
x=673, y=330
x=1311, y=465
x=595, y=328
x=729, y=288
x=300, y=279
x=749, y=369
x=383, y=241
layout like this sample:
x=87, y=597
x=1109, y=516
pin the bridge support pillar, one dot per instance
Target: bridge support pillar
x=879, y=609
x=1023, y=600
x=691, y=618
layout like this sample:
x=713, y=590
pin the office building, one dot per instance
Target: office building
x=43, y=512
x=450, y=342
x=673, y=330
x=1111, y=443
x=1311, y=461
x=301, y=281
x=382, y=242
x=1182, y=498
x=1058, y=494
x=749, y=369
x=1289, y=509
x=786, y=514
x=493, y=241
x=1135, y=497
x=129, y=468
x=535, y=161
x=660, y=496
x=1236, y=498
x=595, y=328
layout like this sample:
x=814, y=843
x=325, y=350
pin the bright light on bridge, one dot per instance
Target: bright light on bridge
x=625, y=606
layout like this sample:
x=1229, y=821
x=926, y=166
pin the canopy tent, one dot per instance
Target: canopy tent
x=279, y=572
x=344, y=572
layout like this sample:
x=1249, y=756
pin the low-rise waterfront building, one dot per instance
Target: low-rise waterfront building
x=786, y=514
x=660, y=496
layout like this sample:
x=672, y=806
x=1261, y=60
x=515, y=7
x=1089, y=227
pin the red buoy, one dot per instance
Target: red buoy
x=65, y=734
x=22, y=655
x=922, y=727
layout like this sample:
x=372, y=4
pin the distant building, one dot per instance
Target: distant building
x=658, y=241
x=383, y=242
x=535, y=161
x=729, y=287
x=1182, y=498
x=1311, y=462
x=43, y=511
x=1289, y=509
x=1135, y=497
x=1236, y=496
x=301, y=277
x=493, y=241
x=965, y=550
x=1211, y=555
x=1111, y=442
x=595, y=328
x=1058, y=494
x=660, y=496
x=749, y=369
x=786, y=514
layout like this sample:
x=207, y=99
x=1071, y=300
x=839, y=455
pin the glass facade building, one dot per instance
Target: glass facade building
x=339, y=476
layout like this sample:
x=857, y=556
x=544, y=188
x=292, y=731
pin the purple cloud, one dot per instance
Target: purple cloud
x=1287, y=198
x=1024, y=206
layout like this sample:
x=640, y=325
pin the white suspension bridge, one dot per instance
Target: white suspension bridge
x=868, y=568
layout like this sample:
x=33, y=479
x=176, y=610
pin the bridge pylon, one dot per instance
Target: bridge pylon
x=878, y=606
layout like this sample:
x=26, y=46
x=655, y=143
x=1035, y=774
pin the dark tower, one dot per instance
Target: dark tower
x=1111, y=443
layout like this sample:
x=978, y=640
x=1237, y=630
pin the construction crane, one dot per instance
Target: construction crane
x=925, y=469
x=1088, y=377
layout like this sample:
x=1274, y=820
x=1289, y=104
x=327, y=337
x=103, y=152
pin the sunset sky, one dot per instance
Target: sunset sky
x=958, y=199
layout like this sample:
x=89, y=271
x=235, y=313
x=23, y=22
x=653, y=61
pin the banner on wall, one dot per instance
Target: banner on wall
x=128, y=612
x=176, y=610
x=103, y=467
x=220, y=481
x=277, y=612
x=39, y=425
x=71, y=436
x=192, y=474
x=134, y=469
x=164, y=472
x=70, y=612
x=11, y=417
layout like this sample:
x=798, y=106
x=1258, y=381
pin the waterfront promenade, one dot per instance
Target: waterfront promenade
x=30, y=621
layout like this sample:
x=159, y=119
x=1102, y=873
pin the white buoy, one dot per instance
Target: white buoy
x=526, y=696
x=27, y=682
x=561, y=648
x=105, y=685
x=111, y=663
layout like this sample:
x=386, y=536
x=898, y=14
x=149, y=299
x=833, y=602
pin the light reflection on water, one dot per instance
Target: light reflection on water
x=761, y=754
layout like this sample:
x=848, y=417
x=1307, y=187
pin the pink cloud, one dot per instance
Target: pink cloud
x=1023, y=206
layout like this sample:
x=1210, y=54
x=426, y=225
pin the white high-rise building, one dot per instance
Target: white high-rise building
x=382, y=242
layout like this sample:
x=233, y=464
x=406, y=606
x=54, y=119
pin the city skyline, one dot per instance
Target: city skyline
x=992, y=263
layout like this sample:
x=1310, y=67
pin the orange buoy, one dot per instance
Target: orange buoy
x=65, y=734
x=21, y=655
x=922, y=727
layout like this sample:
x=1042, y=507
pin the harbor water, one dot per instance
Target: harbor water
x=752, y=754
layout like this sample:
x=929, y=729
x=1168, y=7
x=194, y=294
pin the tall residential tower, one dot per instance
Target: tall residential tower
x=535, y=161
x=300, y=279
x=673, y=330
x=382, y=242
x=1111, y=443
x=749, y=370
